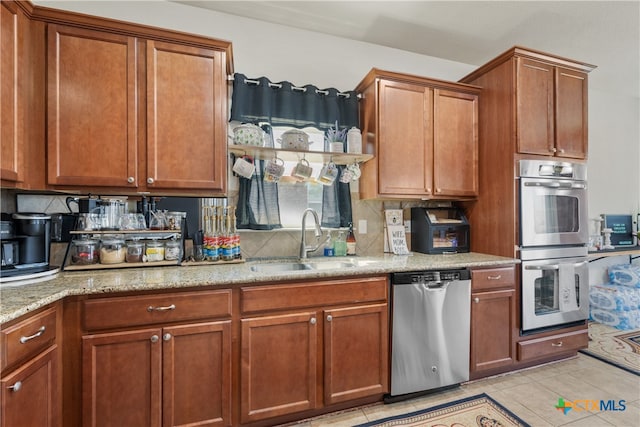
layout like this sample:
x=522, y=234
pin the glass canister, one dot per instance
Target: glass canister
x=173, y=250
x=85, y=252
x=112, y=251
x=135, y=252
x=155, y=251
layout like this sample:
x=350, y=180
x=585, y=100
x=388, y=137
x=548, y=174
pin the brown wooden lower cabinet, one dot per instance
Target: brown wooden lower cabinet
x=30, y=395
x=298, y=357
x=171, y=376
x=493, y=320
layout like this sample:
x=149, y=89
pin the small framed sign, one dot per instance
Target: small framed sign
x=622, y=229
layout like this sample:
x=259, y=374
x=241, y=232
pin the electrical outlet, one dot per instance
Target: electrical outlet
x=362, y=226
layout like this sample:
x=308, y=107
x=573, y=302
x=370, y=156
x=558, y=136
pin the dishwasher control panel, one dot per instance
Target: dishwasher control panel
x=430, y=276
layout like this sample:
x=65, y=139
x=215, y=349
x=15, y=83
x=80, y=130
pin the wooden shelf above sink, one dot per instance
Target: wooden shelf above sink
x=263, y=153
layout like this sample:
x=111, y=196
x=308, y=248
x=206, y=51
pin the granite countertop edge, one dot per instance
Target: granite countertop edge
x=19, y=299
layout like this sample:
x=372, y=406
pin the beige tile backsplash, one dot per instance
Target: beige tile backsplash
x=255, y=244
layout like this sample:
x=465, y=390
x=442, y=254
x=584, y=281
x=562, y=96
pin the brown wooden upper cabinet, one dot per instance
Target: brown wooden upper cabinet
x=21, y=98
x=133, y=114
x=549, y=95
x=424, y=135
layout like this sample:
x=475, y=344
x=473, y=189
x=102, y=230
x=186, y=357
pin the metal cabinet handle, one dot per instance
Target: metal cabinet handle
x=562, y=150
x=498, y=277
x=131, y=180
x=428, y=190
x=556, y=344
x=329, y=318
x=154, y=338
x=476, y=300
x=166, y=337
x=166, y=308
x=149, y=180
x=16, y=386
x=553, y=150
x=30, y=337
x=312, y=320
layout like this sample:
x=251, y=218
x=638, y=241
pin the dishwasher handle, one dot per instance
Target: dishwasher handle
x=436, y=286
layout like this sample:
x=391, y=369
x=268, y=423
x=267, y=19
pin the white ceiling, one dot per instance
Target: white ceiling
x=602, y=33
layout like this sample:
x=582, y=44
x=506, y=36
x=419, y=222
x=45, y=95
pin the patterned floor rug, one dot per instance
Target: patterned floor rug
x=474, y=411
x=616, y=347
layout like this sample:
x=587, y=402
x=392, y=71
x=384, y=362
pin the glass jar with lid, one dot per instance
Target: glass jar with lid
x=154, y=251
x=173, y=250
x=135, y=251
x=85, y=252
x=112, y=251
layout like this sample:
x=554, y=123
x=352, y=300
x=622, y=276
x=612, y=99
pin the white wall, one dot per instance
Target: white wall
x=302, y=57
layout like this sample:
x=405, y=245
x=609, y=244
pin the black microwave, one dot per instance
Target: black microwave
x=439, y=230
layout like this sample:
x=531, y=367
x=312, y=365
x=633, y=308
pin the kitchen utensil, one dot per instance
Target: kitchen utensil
x=248, y=134
x=302, y=171
x=294, y=139
x=273, y=170
x=244, y=166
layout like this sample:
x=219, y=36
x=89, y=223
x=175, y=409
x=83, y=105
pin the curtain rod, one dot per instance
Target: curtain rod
x=302, y=89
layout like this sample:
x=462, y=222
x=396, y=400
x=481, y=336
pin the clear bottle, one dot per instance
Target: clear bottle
x=328, y=247
x=237, y=253
x=340, y=245
x=351, y=241
x=214, y=253
x=226, y=242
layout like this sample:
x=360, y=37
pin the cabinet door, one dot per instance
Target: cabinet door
x=10, y=137
x=30, y=395
x=121, y=378
x=186, y=117
x=571, y=113
x=196, y=378
x=356, y=345
x=278, y=369
x=534, y=103
x=92, y=108
x=405, y=143
x=492, y=329
x=455, y=143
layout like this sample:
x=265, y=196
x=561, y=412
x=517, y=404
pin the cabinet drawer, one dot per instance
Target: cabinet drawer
x=117, y=312
x=493, y=278
x=27, y=338
x=555, y=344
x=313, y=294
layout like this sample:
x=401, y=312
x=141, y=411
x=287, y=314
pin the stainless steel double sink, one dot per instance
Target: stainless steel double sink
x=283, y=267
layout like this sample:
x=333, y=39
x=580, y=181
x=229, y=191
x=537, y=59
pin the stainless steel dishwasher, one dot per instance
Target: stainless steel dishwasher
x=430, y=330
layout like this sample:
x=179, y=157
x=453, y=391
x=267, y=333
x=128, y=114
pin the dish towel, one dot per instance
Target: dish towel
x=567, y=288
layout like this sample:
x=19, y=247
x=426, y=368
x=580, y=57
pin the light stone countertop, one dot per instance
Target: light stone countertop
x=16, y=300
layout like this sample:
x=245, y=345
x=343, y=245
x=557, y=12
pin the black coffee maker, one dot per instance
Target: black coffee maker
x=30, y=242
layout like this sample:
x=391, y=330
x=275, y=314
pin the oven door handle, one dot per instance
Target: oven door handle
x=552, y=266
x=555, y=184
x=542, y=267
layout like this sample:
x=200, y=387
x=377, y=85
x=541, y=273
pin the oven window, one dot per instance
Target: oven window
x=547, y=298
x=556, y=214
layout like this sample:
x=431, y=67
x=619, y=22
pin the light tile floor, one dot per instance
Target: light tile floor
x=531, y=394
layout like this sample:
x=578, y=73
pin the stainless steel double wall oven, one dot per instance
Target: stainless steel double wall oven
x=553, y=243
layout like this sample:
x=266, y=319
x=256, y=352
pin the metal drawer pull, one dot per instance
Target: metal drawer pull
x=476, y=300
x=30, y=337
x=312, y=320
x=498, y=277
x=16, y=387
x=556, y=345
x=166, y=337
x=167, y=308
x=154, y=338
x=329, y=318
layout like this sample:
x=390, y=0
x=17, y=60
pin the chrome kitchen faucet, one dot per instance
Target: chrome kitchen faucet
x=304, y=249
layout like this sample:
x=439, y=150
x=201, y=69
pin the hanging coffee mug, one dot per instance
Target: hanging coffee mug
x=328, y=174
x=273, y=170
x=302, y=171
x=350, y=173
x=244, y=166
